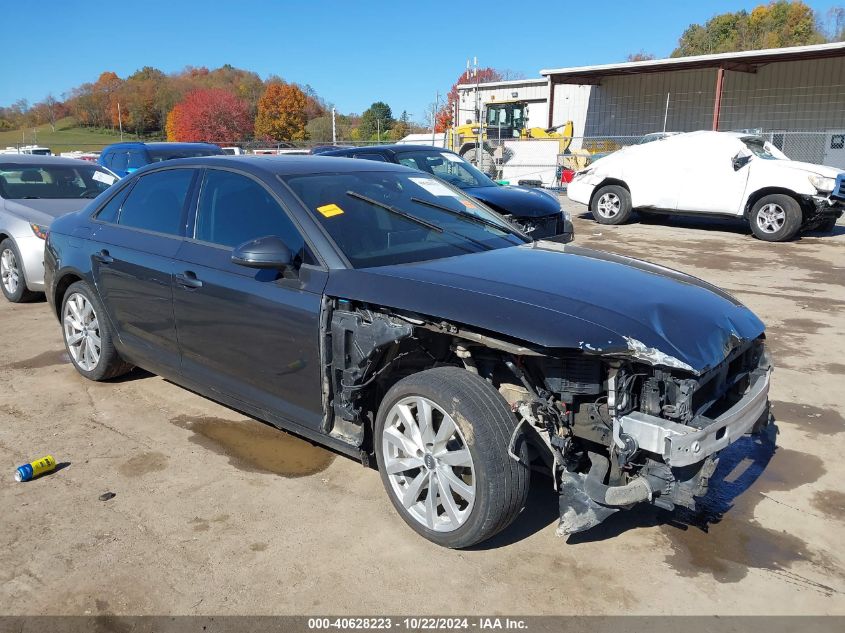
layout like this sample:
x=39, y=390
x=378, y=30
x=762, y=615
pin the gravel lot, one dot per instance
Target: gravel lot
x=198, y=527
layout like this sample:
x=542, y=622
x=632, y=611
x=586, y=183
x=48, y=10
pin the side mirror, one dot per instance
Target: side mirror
x=740, y=160
x=263, y=252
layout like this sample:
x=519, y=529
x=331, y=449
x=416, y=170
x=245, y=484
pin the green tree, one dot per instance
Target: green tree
x=778, y=24
x=377, y=116
x=401, y=128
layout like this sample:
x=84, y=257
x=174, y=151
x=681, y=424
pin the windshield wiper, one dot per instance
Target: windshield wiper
x=413, y=218
x=466, y=216
x=395, y=211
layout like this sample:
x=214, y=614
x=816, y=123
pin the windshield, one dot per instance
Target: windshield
x=159, y=155
x=763, y=149
x=382, y=218
x=28, y=181
x=446, y=166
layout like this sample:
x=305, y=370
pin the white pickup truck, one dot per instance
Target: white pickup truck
x=714, y=173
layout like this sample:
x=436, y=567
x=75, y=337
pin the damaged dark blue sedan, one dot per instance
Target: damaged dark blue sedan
x=389, y=316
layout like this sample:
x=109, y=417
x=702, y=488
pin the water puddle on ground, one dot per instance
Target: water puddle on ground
x=143, y=464
x=722, y=539
x=256, y=447
x=830, y=503
x=47, y=359
x=810, y=419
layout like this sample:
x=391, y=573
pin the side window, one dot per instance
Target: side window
x=234, y=209
x=118, y=161
x=376, y=157
x=156, y=201
x=136, y=160
x=108, y=213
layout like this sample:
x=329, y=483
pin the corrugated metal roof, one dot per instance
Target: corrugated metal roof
x=742, y=60
x=505, y=84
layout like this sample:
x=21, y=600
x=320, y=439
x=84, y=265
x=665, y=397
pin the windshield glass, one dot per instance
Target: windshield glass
x=381, y=218
x=446, y=166
x=26, y=181
x=763, y=149
x=159, y=155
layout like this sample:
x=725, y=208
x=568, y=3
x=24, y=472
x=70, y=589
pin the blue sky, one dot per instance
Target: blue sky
x=351, y=53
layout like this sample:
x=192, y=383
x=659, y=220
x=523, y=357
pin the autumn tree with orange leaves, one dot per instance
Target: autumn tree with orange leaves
x=213, y=115
x=282, y=113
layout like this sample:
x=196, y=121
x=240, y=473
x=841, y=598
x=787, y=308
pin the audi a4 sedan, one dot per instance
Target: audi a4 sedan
x=373, y=309
x=534, y=211
x=34, y=190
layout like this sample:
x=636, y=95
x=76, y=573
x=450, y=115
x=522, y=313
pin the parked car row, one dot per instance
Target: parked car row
x=382, y=311
x=724, y=174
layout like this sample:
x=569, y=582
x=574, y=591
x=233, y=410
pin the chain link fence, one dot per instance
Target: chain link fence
x=540, y=162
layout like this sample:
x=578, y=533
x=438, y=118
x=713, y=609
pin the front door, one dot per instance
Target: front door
x=250, y=334
x=132, y=265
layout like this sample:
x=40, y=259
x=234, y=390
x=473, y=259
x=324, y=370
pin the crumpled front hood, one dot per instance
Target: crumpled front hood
x=44, y=211
x=564, y=296
x=521, y=202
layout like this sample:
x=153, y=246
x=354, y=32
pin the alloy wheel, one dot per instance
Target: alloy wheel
x=428, y=464
x=609, y=205
x=771, y=218
x=9, y=273
x=82, y=332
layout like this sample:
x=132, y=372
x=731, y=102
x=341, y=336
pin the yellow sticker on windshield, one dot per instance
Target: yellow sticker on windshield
x=468, y=204
x=330, y=210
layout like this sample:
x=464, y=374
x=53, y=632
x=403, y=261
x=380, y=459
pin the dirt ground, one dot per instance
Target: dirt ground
x=217, y=514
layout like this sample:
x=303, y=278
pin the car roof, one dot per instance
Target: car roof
x=387, y=149
x=162, y=145
x=35, y=159
x=282, y=165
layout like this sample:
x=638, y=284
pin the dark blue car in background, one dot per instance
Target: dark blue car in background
x=124, y=158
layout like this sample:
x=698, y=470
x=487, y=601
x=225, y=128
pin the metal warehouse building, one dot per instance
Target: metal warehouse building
x=796, y=96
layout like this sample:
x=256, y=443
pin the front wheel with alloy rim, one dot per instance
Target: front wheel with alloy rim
x=12, y=281
x=442, y=439
x=87, y=335
x=611, y=205
x=775, y=218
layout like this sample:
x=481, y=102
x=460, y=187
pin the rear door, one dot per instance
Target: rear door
x=136, y=240
x=247, y=333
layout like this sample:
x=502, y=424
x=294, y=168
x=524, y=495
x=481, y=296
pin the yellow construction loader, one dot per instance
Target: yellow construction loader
x=503, y=120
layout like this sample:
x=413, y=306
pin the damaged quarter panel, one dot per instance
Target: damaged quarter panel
x=566, y=297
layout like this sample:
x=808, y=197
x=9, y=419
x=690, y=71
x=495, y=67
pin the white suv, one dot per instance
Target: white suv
x=714, y=173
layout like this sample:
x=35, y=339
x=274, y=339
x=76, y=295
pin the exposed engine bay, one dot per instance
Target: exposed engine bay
x=611, y=430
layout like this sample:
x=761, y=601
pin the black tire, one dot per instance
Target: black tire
x=488, y=163
x=786, y=221
x=22, y=294
x=619, y=200
x=486, y=424
x=110, y=364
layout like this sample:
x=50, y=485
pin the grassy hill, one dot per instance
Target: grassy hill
x=67, y=137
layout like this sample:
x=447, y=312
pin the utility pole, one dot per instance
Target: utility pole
x=434, y=118
x=478, y=145
x=378, y=130
x=334, y=128
x=119, y=120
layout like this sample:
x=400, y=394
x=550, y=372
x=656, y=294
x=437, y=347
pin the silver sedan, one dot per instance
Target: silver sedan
x=34, y=190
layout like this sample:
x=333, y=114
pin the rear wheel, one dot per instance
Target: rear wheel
x=12, y=280
x=487, y=164
x=775, y=218
x=88, y=336
x=611, y=205
x=442, y=440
